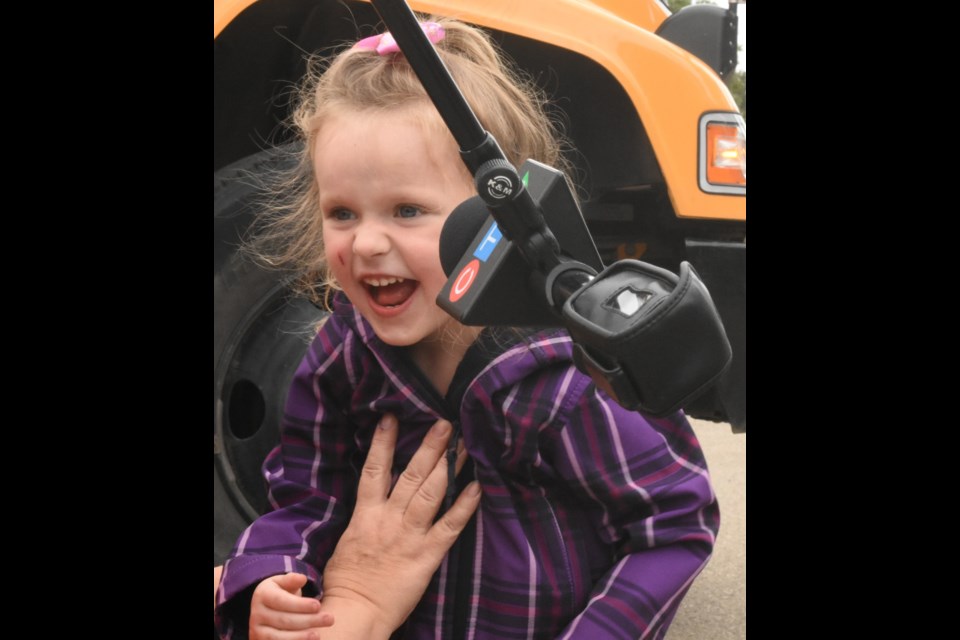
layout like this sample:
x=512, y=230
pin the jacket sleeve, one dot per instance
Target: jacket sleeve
x=647, y=480
x=312, y=486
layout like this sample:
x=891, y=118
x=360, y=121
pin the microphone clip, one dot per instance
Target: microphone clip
x=650, y=339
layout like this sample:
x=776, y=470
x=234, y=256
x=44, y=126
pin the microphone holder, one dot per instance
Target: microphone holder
x=649, y=338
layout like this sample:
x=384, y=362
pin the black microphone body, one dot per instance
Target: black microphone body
x=490, y=282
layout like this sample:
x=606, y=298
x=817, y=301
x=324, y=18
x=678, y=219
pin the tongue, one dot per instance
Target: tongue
x=393, y=294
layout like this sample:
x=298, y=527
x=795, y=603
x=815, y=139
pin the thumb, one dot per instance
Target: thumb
x=291, y=582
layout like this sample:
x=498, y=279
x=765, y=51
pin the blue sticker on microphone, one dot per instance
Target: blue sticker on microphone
x=489, y=242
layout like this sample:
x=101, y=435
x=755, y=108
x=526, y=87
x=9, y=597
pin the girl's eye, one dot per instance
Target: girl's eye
x=407, y=211
x=341, y=214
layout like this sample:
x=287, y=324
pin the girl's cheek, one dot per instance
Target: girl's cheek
x=340, y=258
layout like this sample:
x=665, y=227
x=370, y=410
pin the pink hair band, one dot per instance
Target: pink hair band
x=384, y=43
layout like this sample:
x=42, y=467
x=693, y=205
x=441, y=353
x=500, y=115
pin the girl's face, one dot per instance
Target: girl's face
x=386, y=187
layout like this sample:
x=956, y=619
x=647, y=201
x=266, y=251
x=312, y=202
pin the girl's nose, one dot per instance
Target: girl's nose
x=370, y=240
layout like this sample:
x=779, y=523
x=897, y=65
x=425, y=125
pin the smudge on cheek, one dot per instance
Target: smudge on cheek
x=340, y=258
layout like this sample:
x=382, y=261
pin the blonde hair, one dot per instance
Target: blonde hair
x=289, y=233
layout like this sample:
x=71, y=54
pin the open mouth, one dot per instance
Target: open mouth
x=390, y=291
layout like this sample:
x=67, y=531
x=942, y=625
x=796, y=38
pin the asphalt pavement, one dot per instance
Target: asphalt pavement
x=715, y=608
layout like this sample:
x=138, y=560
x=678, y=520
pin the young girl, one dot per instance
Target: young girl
x=593, y=521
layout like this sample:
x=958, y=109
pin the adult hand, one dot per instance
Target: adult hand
x=392, y=547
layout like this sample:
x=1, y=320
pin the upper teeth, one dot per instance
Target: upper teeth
x=381, y=282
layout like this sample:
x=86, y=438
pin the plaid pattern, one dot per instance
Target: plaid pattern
x=594, y=520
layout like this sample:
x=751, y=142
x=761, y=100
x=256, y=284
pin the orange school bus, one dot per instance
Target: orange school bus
x=660, y=158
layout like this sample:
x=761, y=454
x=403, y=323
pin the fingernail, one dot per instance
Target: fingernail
x=473, y=489
x=388, y=421
x=441, y=428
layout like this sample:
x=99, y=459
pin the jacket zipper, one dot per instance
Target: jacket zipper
x=460, y=565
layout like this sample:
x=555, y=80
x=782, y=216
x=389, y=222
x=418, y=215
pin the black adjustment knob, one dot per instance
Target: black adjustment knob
x=498, y=182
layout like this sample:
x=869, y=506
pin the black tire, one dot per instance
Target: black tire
x=260, y=333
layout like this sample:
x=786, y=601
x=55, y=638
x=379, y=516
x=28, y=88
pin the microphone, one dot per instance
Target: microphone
x=489, y=282
x=629, y=322
x=650, y=339
x=459, y=231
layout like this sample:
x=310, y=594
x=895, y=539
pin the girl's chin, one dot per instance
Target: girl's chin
x=412, y=328
x=396, y=335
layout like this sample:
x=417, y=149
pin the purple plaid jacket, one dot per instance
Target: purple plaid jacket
x=594, y=520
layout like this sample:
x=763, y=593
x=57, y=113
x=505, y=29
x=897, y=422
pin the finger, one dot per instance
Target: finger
x=287, y=597
x=326, y=619
x=444, y=532
x=266, y=632
x=425, y=503
x=283, y=620
x=424, y=461
x=290, y=582
x=378, y=468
